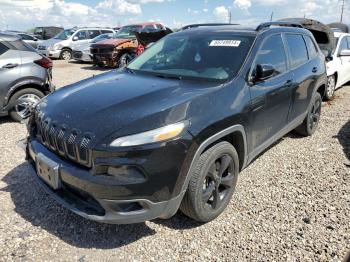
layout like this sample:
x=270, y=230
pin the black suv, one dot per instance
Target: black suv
x=175, y=127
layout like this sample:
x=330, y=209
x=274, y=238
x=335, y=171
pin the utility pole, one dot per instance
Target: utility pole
x=229, y=17
x=271, y=17
x=342, y=11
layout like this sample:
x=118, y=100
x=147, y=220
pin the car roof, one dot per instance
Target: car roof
x=8, y=37
x=243, y=30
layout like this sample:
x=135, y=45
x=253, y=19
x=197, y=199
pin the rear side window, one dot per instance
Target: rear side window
x=272, y=52
x=297, y=49
x=21, y=46
x=311, y=48
x=3, y=49
x=93, y=33
x=344, y=45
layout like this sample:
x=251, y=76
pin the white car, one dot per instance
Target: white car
x=61, y=45
x=82, y=52
x=338, y=67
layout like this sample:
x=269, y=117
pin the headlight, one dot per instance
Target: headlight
x=153, y=136
x=57, y=47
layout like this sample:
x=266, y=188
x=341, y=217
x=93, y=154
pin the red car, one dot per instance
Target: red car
x=129, y=42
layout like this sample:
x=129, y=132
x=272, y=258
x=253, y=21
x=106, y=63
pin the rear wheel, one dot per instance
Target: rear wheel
x=22, y=103
x=66, y=54
x=330, y=87
x=309, y=126
x=212, y=184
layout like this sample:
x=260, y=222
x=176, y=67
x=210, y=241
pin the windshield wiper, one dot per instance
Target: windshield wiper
x=169, y=76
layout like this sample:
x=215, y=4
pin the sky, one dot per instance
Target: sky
x=26, y=14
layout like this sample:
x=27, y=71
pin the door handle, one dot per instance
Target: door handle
x=9, y=66
x=315, y=69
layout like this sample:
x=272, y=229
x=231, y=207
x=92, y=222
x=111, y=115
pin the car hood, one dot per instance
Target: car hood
x=81, y=46
x=114, y=42
x=50, y=42
x=121, y=103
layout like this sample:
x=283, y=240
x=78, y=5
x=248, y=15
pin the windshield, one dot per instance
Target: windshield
x=102, y=37
x=206, y=56
x=127, y=31
x=64, y=35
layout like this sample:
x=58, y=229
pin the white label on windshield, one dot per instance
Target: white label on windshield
x=230, y=43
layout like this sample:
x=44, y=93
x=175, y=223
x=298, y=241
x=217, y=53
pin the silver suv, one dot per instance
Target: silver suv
x=25, y=77
x=61, y=45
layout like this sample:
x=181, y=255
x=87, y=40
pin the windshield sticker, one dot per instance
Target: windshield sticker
x=228, y=43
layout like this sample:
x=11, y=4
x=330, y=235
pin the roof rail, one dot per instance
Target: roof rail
x=205, y=24
x=278, y=23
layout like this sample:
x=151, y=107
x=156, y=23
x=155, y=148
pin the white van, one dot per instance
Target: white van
x=62, y=44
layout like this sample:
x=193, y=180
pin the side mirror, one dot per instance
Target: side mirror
x=344, y=52
x=35, y=39
x=264, y=71
x=75, y=38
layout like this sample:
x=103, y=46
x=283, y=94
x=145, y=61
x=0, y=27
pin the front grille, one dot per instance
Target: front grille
x=69, y=143
x=102, y=49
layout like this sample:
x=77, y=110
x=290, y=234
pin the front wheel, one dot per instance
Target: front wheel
x=125, y=59
x=66, y=54
x=309, y=126
x=331, y=83
x=22, y=103
x=212, y=184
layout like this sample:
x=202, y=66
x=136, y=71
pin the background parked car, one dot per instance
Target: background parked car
x=47, y=32
x=27, y=38
x=61, y=45
x=25, y=76
x=338, y=66
x=118, y=51
x=82, y=51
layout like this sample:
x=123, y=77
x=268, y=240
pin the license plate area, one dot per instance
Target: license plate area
x=48, y=170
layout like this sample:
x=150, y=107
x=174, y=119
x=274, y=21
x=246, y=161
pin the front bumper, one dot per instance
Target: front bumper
x=82, y=56
x=50, y=53
x=87, y=195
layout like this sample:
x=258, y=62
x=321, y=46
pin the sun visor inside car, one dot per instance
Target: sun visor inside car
x=322, y=33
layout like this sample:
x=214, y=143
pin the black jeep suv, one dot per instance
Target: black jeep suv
x=175, y=127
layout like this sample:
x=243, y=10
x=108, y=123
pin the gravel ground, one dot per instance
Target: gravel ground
x=291, y=204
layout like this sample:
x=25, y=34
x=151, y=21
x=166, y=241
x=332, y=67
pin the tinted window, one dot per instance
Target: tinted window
x=93, y=33
x=3, y=49
x=81, y=35
x=22, y=46
x=26, y=37
x=310, y=47
x=272, y=52
x=297, y=48
x=201, y=56
x=106, y=31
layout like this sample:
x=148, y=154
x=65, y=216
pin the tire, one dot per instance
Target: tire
x=24, y=99
x=309, y=126
x=202, y=201
x=125, y=59
x=330, y=89
x=66, y=54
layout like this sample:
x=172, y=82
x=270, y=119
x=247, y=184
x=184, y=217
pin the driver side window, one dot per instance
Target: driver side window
x=343, y=45
x=81, y=35
x=272, y=52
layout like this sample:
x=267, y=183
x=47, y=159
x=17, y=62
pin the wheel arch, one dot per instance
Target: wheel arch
x=20, y=86
x=235, y=135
